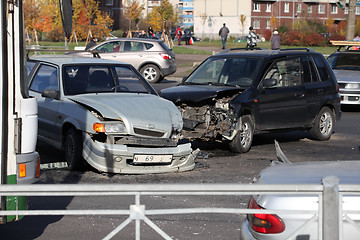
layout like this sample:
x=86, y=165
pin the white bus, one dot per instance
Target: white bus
x=19, y=162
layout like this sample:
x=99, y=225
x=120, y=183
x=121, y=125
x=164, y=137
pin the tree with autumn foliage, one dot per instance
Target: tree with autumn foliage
x=163, y=16
x=87, y=18
x=133, y=12
x=43, y=16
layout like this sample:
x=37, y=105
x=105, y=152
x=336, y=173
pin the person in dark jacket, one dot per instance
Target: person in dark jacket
x=151, y=32
x=91, y=43
x=275, y=41
x=223, y=33
x=187, y=33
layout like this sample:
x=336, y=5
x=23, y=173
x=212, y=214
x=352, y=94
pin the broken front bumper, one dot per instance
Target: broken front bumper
x=116, y=158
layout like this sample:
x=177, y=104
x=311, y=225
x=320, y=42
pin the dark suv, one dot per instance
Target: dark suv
x=236, y=94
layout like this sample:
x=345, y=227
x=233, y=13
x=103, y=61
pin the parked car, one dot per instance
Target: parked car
x=236, y=94
x=285, y=225
x=346, y=66
x=105, y=112
x=152, y=57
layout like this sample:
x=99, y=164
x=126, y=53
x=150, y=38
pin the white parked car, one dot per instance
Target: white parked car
x=106, y=113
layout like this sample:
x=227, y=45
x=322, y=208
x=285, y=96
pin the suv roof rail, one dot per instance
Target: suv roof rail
x=242, y=48
x=94, y=52
x=297, y=49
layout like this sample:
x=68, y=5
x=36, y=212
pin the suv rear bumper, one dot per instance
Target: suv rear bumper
x=168, y=71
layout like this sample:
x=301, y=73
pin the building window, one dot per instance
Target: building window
x=256, y=24
x=268, y=24
x=357, y=11
x=334, y=9
x=109, y=3
x=298, y=7
x=286, y=7
x=346, y=11
x=268, y=7
x=256, y=7
x=321, y=8
x=309, y=9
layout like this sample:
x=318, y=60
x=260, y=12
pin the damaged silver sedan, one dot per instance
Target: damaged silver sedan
x=107, y=114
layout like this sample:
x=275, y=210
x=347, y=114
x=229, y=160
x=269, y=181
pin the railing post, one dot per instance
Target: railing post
x=331, y=220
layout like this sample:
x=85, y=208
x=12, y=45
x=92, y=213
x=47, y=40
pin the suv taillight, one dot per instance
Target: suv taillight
x=264, y=223
x=338, y=90
x=165, y=56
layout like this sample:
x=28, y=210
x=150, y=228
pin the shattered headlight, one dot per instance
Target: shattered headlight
x=110, y=127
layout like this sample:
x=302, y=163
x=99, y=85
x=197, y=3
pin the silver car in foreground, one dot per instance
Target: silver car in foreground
x=152, y=57
x=106, y=113
x=284, y=226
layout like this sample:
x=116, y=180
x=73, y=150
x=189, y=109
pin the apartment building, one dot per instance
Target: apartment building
x=287, y=12
x=208, y=16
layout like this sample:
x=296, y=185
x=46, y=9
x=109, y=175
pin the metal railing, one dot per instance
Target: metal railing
x=329, y=214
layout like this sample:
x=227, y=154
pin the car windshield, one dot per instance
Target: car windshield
x=80, y=79
x=231, y=71
x=345, y=61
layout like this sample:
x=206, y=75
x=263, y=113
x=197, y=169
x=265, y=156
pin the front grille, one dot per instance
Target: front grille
x=149, y=133
x=145, y=142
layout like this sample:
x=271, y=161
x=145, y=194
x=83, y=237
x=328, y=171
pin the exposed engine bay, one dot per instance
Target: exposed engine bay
x=210, y=121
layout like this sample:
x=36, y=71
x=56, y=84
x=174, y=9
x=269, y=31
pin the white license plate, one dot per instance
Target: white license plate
x=152, y=158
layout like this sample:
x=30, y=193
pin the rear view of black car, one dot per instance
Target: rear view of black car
x=234, y=95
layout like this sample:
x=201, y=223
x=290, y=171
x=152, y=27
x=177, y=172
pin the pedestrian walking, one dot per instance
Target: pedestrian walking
x=275, y=41
x=223, y=33
x=251, y=41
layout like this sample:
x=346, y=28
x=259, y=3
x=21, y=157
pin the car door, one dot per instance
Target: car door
x=282, y=105
x=46, y=77
x=132, y=52
x=317, y=82
x=110, y=50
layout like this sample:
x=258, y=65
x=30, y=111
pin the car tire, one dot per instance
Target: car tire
x=243, y=139
x=73, y=146
x=324, y=125
x=151, y=73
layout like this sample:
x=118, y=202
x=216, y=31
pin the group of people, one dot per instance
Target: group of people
x=179, y=33
x=251, y=38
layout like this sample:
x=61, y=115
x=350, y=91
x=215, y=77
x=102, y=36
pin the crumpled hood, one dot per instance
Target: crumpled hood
x=141, y=110
x=347, y=76
x=197, y=93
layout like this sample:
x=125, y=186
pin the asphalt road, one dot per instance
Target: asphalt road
x=214, y=165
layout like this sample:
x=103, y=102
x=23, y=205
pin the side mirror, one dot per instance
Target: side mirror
x=269, y=82
x=51, y=93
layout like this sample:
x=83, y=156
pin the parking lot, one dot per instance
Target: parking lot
x=215, y=164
